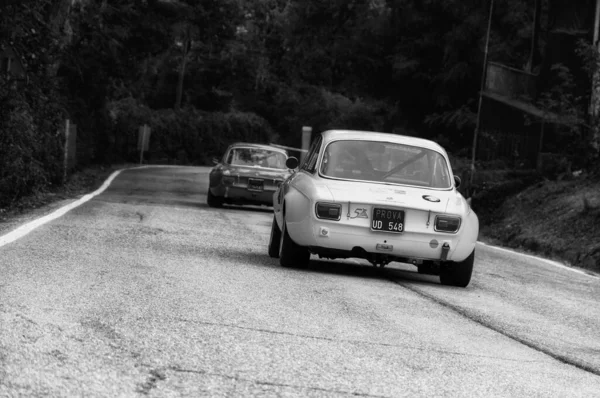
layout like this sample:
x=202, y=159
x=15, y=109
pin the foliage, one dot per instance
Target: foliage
x=30, y=148
x=574, y=138
x=205, y=73
x=185, y=136
x=30, y=114
x=591, y=65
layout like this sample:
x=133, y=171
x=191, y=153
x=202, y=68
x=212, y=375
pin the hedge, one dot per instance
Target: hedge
x=187, y=136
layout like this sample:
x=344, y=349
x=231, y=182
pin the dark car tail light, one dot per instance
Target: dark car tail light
x=329, y=211
x=449, y=224
x=228, y=180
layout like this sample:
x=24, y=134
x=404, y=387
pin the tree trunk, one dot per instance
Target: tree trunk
x=179, y=94
x=60, y=27
x=533, y=54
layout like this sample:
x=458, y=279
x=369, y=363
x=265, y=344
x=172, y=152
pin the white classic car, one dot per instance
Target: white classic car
x=377, y=196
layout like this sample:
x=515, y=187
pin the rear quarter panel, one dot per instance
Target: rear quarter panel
x=214, y=177
x=469, y=231
x=301, y=193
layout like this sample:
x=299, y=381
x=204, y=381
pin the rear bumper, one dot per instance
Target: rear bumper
x=241, y=194
x=322, y=236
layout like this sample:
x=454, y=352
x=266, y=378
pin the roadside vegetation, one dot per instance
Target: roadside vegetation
x=205, y=74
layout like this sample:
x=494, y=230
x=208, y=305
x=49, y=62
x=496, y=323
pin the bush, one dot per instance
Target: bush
x=30, y=148
x=305, y=105
x=186, y=136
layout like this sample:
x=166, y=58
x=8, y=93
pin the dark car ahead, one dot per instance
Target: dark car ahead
x=247, y=174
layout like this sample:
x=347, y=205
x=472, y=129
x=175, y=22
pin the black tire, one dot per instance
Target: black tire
x=274, y=240
x=292, y=255
x=457, y=273
x=212, y=200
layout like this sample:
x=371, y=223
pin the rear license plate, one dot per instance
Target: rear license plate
x=387, y=220
x=255, y=184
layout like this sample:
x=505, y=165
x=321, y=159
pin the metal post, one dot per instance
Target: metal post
x=66, y=149
x=306, y=134
x=145, y=130
x=540, y=148
x=483, y=79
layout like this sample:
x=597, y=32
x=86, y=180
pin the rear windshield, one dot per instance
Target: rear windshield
x=256, y=157
x=385, y=162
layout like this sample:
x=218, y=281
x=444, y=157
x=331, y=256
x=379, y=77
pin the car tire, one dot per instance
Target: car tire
x=291, y=255
x=274, y=240
x=457, y=273
x=212, y=200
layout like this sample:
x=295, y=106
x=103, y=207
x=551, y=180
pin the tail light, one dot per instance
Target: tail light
x=448, y=224
x=329, y=211
x=228, y=180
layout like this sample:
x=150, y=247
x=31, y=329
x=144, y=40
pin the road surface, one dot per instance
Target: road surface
x=145, y=291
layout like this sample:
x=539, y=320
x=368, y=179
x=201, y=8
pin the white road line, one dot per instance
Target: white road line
x=544, y=260
x=30, y=226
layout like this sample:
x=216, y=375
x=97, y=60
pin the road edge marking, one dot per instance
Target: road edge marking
x=541, y=259
x=26, y=228
x=32, y=225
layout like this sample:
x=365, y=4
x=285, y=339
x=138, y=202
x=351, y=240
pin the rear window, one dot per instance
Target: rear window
x=256, y=157
x=385, y=162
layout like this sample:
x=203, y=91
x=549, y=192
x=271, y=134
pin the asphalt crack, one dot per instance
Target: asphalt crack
x=273, y=384
x=483, y=322
x=350, y=341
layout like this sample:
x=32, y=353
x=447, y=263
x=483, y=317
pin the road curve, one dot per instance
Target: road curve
x=145, y=291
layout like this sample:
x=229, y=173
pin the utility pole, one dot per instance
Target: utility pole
x=483, y=79
x=534, y=37
x=594, y=103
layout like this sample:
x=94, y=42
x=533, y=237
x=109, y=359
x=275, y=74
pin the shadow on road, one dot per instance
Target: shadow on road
x=346, y=268
x=193, y=201
x=336, y=267
x=257, y=209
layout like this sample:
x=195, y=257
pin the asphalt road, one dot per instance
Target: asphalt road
x=145, y=291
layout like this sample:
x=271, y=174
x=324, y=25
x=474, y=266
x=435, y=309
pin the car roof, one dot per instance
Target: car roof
x=333, y=135
x=259, y=146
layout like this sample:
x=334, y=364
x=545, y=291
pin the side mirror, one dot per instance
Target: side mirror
x=215, y=161
x=457, y=181
x=291, y=162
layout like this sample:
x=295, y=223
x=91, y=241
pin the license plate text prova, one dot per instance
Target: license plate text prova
x=387, y=220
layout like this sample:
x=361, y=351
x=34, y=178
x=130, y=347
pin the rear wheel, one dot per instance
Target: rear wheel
x=457, y=273
x=290, y=253
x=212, y=200
x=274, y=240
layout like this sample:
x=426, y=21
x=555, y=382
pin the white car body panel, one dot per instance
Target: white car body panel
x=296, y=198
